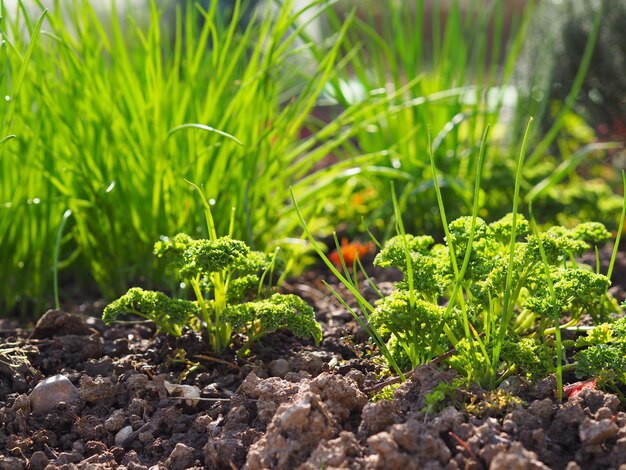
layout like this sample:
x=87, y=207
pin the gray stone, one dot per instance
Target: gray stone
x=50, y=392
x=122, y=435
x=115, y=422
x=279, y=367
x=596, y=432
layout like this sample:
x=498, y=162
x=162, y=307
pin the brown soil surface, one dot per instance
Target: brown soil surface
x=289, y=405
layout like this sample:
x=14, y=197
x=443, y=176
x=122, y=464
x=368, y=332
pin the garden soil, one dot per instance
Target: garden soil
x=113, y=403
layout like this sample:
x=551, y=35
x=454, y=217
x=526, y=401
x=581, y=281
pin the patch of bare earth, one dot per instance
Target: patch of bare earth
x=290, y=405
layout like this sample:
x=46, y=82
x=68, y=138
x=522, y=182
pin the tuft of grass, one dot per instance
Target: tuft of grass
x=108, y=120
x=450, y=71
x=418, y=65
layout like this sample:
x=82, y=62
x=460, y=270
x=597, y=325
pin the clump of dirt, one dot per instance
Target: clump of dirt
x=289, y=405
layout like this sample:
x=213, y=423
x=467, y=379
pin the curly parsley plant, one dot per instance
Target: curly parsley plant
x=509, y=324
x=233, y=293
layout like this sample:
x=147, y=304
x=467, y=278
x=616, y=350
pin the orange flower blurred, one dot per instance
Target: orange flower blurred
x=350, y=251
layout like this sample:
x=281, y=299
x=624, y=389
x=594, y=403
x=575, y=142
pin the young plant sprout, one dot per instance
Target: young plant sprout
x=492, y=299
x=602, y=354
x=232, y=285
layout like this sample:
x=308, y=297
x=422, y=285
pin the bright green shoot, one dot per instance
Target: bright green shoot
x=619, y=229
x=555, y=311
x=509, y=304
x=346, y=280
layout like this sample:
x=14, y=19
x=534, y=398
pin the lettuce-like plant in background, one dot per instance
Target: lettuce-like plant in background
x=232, y=285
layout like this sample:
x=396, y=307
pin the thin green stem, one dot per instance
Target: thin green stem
x=619, y=230
x=555, y=311
x=508, y=306
x=57, y=250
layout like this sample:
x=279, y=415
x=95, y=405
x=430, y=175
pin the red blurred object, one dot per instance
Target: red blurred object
x=350, y=251
x=613, y=131
x=574, y=389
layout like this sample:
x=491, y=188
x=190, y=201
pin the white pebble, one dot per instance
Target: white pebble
x=190, y=393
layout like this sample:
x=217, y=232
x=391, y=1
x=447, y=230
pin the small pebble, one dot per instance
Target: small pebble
x=38, y=460
x=296, y=413
x=181, y=457
x=602, y=413
x=201, y=423
x=596, y=432
x=122, y=435
x=50, y=392
x=21, y=402
x=135, y=421
x=279, y=367
x=115, y=422
x=509, y=426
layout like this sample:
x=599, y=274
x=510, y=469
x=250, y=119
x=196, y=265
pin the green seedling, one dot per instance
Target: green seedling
x=419, y=328
x=491, y=300
x=603, y=354
x=232, y=285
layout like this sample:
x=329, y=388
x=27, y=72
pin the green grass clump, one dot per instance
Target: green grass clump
x=108, y=120
x=452, y=68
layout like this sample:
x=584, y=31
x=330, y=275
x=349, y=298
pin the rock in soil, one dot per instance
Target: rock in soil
x=517, y=458
x=58, y=323
x=293, y=434
x=50, y=392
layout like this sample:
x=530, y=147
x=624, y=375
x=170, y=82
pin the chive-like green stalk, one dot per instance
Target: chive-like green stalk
x=555, y=311
x=619, y=230
x=508, y=303
x=150, y=112
x=366, y=307
x=57, y=251
x=21, y=74
x=457, y=294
